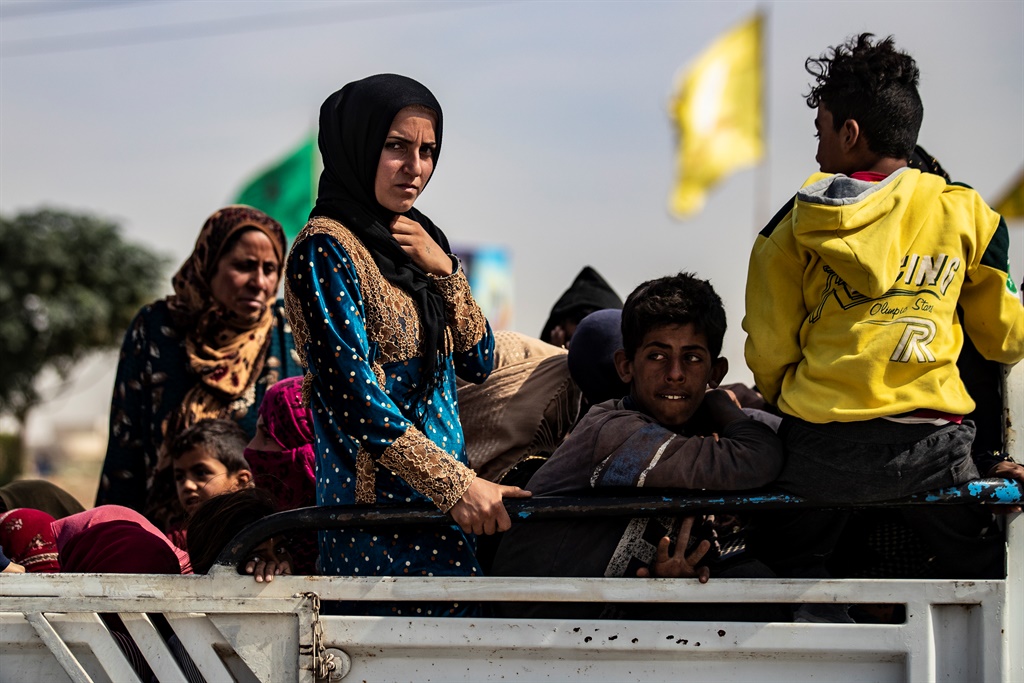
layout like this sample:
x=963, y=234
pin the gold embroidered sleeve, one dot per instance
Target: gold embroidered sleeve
x=427, y=468
x=465, y=319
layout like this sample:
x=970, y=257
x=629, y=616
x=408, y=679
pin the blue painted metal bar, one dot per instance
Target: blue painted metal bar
x=613, y=503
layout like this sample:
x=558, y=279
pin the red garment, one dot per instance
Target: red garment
x=286, y=419
x=27, y=538
x=289, y=474
x=179, y=537
x=869, y=176
x=116, y=539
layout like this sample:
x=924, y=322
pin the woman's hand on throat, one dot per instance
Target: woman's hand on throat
x=420, y=247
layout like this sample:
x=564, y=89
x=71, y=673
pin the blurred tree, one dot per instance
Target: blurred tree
x=69, y=285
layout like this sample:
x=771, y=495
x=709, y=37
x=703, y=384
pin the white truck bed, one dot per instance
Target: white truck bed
x=236, y=629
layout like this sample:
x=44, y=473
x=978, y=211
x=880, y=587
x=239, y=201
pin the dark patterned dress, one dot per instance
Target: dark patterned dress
x=379, y=438
x=153, y=377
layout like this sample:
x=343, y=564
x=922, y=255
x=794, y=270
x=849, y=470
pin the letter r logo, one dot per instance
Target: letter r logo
x=914, y=342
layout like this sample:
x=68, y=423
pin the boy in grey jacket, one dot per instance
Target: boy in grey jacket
x=675, y=430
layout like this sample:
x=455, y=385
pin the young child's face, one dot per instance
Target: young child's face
x=273, y=549
x=670, y=372
x=199, y=476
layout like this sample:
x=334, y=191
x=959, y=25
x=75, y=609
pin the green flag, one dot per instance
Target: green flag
x=286, y=190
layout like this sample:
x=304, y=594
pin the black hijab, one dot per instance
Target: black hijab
x=354, y=124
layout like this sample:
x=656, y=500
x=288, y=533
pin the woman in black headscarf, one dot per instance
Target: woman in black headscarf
x=383, y=317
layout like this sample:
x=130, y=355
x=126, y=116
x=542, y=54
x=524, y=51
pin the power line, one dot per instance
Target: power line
x=231, y=26
x=19, y=10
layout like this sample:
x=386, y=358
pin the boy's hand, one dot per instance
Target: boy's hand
x=723, y=407
x=266, y=571
x=480, y=510
x=1007, y=470
x=679, y=564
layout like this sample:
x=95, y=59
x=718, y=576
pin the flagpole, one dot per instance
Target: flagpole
x=762, y=177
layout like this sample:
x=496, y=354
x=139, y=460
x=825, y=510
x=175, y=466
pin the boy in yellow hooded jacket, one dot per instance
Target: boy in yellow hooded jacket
x=852, y=303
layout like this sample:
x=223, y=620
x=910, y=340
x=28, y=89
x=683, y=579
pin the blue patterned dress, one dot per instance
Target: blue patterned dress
x=379, y=438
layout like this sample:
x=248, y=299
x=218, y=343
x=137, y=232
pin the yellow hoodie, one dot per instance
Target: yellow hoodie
x=853, y=291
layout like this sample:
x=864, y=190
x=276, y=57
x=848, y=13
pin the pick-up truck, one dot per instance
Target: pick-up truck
x=234, y=629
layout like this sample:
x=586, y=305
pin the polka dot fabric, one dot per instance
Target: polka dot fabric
x=380, y=439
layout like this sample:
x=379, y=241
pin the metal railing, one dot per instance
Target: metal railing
x=983, y=491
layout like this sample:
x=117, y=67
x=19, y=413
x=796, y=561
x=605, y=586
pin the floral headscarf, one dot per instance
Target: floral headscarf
x=289, y=474
x=224, y=349
x=27, y=538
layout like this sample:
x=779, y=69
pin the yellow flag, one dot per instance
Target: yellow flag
x=1012, y=205
x=718, y=113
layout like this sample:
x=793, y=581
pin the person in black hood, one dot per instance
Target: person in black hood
x=589, y=292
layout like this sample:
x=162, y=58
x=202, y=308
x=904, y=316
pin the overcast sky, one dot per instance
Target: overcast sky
x=557, y=139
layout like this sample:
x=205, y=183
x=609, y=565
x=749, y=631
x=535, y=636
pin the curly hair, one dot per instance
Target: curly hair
x=673, y=300
x=875, y=85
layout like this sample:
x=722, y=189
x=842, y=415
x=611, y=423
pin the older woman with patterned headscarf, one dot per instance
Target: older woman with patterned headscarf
x=210, y=350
